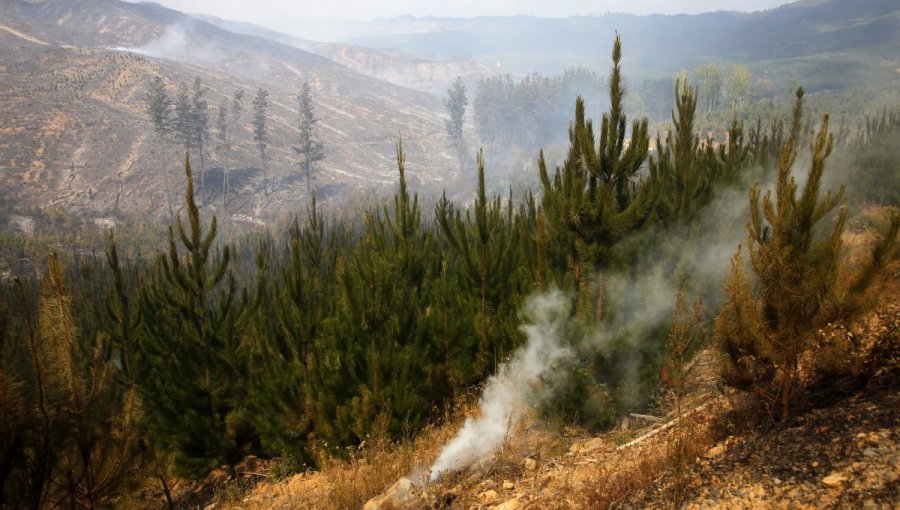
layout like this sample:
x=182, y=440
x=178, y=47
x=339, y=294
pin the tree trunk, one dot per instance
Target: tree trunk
x=162, y=144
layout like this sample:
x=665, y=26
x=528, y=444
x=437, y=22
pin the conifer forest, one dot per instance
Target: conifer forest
x=652, y=222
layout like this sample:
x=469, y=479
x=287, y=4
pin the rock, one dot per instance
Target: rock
x=594, y=444
x=508, y=486
x=487, y=497
x=530, y=464
x=513, y=504
x=834, y=480
x=715, y=451
x=400, y=496
x=23, y=225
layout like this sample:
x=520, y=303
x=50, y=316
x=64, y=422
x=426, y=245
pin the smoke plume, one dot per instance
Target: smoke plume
x=507, y=394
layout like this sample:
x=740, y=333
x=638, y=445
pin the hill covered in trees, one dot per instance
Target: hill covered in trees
x=136, y=358
x=569, y=300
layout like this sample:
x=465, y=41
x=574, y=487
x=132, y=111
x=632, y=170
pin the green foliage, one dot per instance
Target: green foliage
x=282, y=380
x=190, y=360
x=488, y=244
x=596, y=198
x=158, y=107
x=376, y=360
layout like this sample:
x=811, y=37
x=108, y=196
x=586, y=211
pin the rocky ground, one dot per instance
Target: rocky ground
x=841, y=456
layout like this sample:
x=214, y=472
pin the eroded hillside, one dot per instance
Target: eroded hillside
x=75, y=133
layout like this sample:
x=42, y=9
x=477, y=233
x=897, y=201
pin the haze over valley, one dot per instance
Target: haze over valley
x=76, y=75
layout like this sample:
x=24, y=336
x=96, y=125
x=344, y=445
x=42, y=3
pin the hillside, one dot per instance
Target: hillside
x=396, y=67
x=94, y=149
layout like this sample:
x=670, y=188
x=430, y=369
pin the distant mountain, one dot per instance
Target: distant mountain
x=74, y=132
x=657, y=45
x=397, y=67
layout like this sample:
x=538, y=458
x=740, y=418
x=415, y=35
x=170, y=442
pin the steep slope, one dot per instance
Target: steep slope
x=74, y=77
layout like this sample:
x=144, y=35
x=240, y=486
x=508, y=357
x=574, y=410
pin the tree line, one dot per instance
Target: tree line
x=183, y=119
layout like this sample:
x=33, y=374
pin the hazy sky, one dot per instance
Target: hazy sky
x=263, y=10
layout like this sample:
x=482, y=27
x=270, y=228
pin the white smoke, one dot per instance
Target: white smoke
x=180, y=41
x=507, y=394
x=637, y=305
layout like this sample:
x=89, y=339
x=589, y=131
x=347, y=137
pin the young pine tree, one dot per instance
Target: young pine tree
x=376, y=349
x=487, y=242
x=597, y=198
x=190, y=358
x=765, y=328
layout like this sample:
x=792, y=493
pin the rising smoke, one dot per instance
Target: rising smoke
x=639, y=304
x=508, y=393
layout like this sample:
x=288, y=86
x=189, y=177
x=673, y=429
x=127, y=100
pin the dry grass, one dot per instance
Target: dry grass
x=377, y=464
x=348, y=483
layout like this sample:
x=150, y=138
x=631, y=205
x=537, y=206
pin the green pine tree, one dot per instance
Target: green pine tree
x=309, y=147
x=596, y=198
x=190, y=357
x=487, y=242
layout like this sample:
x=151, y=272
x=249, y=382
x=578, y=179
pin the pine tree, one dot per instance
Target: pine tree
x=68, y=423
x=159, y=109
x=310, y=148
x=282, y=403
x=182, y=123
x=190, y=357
x=764, y=330
x=103, y=424
x=596, y=197
x=260, y=132
x=455, y=103
x=227, y=125
x=488, y=244
x=680, y=169
x=731, y=158
x=199, y=122
x=376, y=351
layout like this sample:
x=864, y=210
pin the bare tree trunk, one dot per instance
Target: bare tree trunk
x=165, y=167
